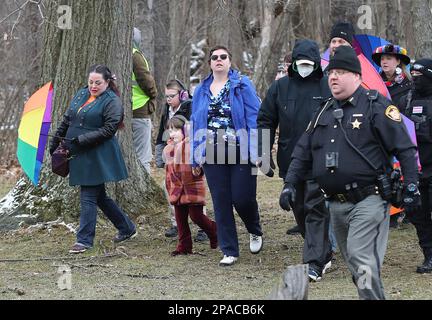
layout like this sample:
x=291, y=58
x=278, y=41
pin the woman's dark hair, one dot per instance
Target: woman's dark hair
x=106, y=74
x=219, y=48
x=176, y=122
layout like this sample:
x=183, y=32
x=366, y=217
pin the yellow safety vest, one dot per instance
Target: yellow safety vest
x=139, y=98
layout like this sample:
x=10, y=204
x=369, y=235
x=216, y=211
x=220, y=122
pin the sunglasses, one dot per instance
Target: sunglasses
x=222, y=56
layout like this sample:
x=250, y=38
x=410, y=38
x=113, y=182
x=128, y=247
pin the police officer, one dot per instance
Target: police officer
x=418, y=106
x=290, y=104
x=344, y=146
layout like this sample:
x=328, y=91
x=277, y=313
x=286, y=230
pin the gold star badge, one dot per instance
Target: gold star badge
x=356, y=124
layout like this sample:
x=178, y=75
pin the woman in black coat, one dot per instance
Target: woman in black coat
x=393, y=61
x=89, y=126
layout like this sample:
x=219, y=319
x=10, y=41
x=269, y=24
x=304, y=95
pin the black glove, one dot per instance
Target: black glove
x=287, y=197
x=411, y=198
x=54, y=144
x=269, y=168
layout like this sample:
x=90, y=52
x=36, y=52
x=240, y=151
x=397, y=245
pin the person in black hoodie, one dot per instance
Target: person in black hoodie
x=290, y=103
x=417, y=105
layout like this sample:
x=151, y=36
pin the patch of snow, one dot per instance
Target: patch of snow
x=7, y=201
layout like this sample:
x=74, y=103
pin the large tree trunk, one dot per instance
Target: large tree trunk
x=162, y=47
x=418, y=28
x=101, y=33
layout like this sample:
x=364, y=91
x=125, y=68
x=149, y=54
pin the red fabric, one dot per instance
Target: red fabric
x=199, y=218
x=182, y=186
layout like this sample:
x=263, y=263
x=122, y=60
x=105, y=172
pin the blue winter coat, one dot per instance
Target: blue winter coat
x=97, y=157
x=244, y=103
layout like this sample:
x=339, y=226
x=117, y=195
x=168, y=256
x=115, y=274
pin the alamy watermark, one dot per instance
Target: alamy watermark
x=365, y=19
x=64, y=21
x=365, y=278
x=64, y=282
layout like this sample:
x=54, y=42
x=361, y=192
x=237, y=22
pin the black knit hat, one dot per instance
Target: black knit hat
x=345, y=58
x=424, y=66
x=344, y=30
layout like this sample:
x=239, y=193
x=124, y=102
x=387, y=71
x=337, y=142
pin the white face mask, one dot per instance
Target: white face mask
x=305, y=70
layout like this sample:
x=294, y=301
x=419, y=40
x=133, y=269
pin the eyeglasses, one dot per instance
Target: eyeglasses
x=337, y=73
x=170, y=96
x=223, y=56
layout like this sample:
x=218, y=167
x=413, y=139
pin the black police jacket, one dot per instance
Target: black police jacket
x=365, y=127
x=290, y=103
x=184, y=110
x=420, y=111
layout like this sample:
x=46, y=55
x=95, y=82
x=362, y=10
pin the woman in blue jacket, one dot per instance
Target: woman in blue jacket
x=224, y=112
x=89, y=126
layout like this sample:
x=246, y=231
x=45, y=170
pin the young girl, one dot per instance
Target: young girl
x=185, y=190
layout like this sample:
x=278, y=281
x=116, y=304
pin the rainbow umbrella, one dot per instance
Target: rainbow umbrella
x=33, y=131
x=366, y=44
x=370, y=76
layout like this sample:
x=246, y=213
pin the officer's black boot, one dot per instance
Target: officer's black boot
x=426, y=267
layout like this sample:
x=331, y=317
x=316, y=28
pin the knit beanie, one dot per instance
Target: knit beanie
x=344, y=30
x=345, y=58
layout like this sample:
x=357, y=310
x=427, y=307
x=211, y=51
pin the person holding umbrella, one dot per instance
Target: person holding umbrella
x=89, y=127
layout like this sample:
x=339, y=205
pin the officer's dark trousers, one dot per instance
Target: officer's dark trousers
x=313, y=219
x=232, y=185
x=422, y=218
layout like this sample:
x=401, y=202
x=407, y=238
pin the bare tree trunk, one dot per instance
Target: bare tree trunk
x=181, y=30
x=67, y=54
x=224, y=17
x=143, y=13
x=162, y=47
x=418, y=24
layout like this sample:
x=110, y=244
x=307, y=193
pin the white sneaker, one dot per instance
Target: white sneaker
x=326, y=267
x=228, y=260
x=256, y=243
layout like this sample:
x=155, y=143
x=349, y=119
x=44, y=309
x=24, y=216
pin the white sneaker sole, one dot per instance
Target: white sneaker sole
x=326, y=267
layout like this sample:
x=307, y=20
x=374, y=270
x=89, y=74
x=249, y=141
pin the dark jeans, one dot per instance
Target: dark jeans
x=422, y=219
x=313, y=218
x=91, y=198
x=233, y=185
